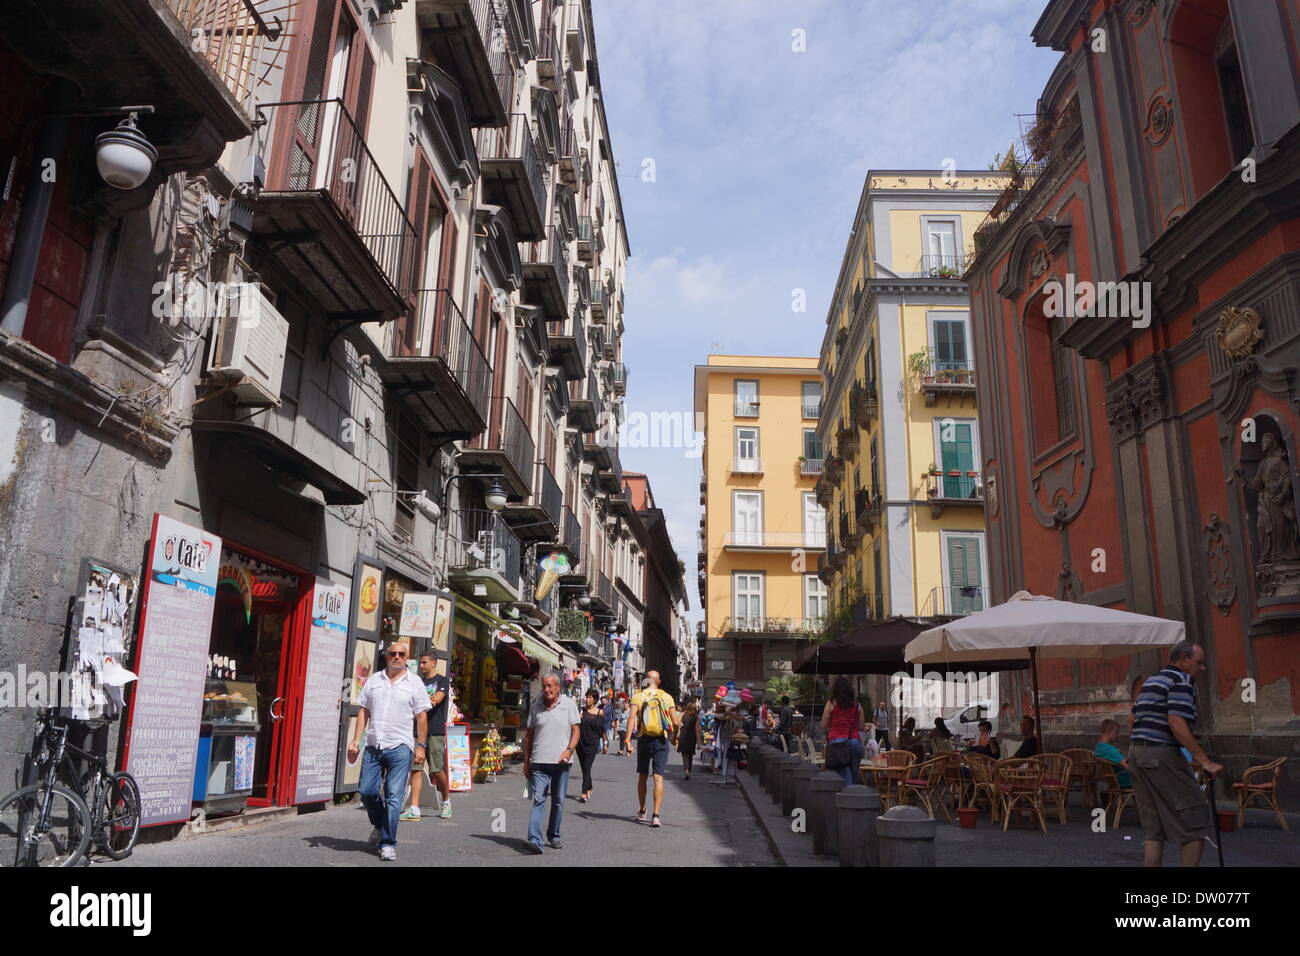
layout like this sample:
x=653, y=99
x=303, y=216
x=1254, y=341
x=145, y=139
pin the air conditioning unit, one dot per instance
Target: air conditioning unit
x=249, y=344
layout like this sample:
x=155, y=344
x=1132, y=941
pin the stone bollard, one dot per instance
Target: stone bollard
x=906, y=837
x=825, y=831
x=756, y=755
x=787, y=787
x=784, y=768
x=772, y=772
x=856, y=810
x=764, y=760
x=803, y=775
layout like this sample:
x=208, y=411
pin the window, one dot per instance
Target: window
x=1236, y=108
x=1061, y=382
x=949, y=338
x=963, y=571
x=747, y=449
x=814, y=522
x=747, y=517
x=940, y=247
x=748, y=589
x=749, y=662
x=405, y=452
x=875, y=466
x=812, y=445
x=811, y=393
x=746, y=398
x=815, y=600
x=956, y=457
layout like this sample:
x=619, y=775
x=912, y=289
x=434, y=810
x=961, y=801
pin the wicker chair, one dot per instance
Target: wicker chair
x=1082, y=773
x=888, y=783
x=1019, y=782
x=1117, y=797
x=1261, y=783
x=925, y=782
x=956, y=779
x=982, y=781
x=1056, y=782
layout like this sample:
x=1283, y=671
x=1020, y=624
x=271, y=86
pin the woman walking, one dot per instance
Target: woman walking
x=688, y=736
x=843, y=721
x=590, y=733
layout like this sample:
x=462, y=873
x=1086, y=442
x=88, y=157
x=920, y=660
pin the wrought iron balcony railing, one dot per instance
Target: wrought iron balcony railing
x=810, y=466
x=484, y=540
x=516, y=141
x=775, y=539
x=508, y=433
x=232, y=35
x=811, y=408
x=747, y=466
x=955, y=599
x=947, y=265
x=961, y=486
x=802, y=627
x=436, y=326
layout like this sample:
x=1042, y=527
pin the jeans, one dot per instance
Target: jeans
x=850, y=772
x=390, y=769
x=548, y=779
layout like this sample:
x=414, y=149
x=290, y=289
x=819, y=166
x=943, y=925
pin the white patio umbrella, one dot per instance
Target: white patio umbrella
x=1030, y=626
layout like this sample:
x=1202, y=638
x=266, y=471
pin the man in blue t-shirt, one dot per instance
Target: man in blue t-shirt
x=1107, y=751
x=1169, y=799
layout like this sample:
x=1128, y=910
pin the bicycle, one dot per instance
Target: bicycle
x=51, y=822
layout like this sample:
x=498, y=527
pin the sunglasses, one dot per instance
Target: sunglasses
x=397, y=653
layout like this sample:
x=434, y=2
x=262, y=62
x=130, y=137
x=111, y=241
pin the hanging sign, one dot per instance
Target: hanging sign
x=459, y=775
x=552, y=566
x=171, y=661
x=242, y=581
x=419, y=611
x=326, y=661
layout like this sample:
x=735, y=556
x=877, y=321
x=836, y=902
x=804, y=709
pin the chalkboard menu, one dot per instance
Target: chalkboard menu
x=318, y=745
x=171, y=660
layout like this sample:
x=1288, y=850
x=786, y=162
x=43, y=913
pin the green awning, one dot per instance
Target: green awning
x=534, y=648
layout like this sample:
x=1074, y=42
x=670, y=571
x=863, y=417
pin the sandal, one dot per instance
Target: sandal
x=654, y=821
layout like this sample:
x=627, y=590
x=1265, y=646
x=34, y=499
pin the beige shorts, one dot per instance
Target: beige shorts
x=1170, y=802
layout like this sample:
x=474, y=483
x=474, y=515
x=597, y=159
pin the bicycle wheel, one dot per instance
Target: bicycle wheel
x=117, y=818
x=60, y=841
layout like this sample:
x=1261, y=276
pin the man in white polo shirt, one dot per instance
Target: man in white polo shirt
x=389, y=701
x=549, y=743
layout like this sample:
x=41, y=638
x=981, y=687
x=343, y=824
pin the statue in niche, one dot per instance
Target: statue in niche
x=1275, y=511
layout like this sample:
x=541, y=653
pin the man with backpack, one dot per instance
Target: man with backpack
x=651, y=722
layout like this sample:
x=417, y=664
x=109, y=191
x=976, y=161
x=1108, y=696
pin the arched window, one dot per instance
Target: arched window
x=1051, y=398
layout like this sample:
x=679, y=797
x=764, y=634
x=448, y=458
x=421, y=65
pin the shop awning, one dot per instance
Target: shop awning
x=543, y=650
x=547, y=652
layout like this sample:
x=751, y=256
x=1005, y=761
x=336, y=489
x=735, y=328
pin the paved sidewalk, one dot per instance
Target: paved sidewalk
x=703, y=825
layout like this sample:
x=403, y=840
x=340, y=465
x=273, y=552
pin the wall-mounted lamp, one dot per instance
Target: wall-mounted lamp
x=495, y=497
x=123, y=155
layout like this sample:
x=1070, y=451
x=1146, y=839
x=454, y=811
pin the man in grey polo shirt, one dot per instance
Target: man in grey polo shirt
x=549, y=744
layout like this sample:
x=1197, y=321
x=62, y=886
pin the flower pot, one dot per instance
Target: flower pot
x=1227, y=821
x=967, y=816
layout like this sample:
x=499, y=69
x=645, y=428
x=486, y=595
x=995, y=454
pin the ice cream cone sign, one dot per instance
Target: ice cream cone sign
x=553, y=565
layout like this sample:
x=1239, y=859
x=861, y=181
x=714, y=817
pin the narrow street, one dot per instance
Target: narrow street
x=703, y=825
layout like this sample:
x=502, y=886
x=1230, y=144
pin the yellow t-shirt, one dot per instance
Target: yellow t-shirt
x=665, y=703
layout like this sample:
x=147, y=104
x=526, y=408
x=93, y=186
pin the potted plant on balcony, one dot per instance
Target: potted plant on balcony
x=934, y=469
x=920, y=367
x=961, y=376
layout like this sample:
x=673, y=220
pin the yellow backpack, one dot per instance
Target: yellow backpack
x=654, y=722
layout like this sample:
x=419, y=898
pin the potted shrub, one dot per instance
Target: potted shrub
x=961, y=376
x=934, y=469
x=920, y=366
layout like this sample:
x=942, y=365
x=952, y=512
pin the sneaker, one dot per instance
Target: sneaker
x=537, y=848
x=640, y=816
x=445, y=812
x=556, y=845
x=410, y=814
x=388, y=853
x=654, y=821
x=373, y=839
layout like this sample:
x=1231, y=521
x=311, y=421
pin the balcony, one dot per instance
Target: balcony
x=618, y=378
x=796, y=628
x=808, y=467
x=609, y=478
x=747, y=466
x=811, y=408
x=464, y=38
x=774, y=540
x=954, y=600
x=823, y=491
x=833, y=469
x=599, y=300
x=846, y=436
x=568, y=347
x=546, y=274
x=437, y=367
x=575, y=38
x=568, y=155
x=513, y=175
x=571, y=535
x=867, y=506
x=586, y=238
x=507, y=448
x=483, y=558
x=546, y=47
x=328, y=215
x=745, y=409
x=538, y=517
x=942, y=266
x=951, y=380
x=954, y=490
x=585, y=406
x=864, y=402
x=602, y=594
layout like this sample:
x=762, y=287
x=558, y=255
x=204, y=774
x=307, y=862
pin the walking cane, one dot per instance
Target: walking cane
x=1214, y=812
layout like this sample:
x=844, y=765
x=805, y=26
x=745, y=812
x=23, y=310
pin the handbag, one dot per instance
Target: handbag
x=839, y=755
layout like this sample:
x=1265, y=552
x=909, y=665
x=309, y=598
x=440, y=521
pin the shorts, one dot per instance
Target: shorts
x=435, y=747
x=652, y=750
x=1169, y=800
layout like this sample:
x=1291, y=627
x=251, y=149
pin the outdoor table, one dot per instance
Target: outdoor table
x=886, y=777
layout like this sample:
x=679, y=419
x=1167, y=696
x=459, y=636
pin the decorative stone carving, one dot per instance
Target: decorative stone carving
x=1160, y=120
x=1038, y=264
x=991, y=495
x=1218, y=563
x=1121, y=414
x=1239, y=331
x=1149, y=397
x=1277, y=571
x=1069, y=586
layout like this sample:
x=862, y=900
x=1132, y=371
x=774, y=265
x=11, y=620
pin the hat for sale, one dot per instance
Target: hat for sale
x=746, y=695
x=722, y=691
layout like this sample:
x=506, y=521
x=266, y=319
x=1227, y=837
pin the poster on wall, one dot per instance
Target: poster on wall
x=418, y=613
x=352, y=768
x=363, y=663
x=245, y=751
x=368, y=598
x=326, y=661
x=171, y=660
x=442, y=624
x=459, y=777
x=101, y=642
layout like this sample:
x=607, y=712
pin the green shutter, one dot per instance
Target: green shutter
x=964, y=571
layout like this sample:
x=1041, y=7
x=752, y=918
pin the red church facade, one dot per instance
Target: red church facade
x=1141, y=442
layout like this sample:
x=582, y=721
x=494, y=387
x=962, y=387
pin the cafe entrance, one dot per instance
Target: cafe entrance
x=253, y=694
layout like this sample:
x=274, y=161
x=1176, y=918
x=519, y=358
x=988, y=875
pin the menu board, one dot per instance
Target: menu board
x=171, y=661
x=418, y=613
x=326, y=658
x=459, y=777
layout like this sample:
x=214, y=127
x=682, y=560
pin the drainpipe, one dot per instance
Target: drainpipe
x=31, y=228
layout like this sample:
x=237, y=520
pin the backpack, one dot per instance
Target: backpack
x=654, y=722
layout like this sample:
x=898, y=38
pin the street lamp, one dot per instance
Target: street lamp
x=495, y=497
x=124, y=156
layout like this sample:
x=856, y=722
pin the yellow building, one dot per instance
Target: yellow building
x=902, y=481
x=762, y=534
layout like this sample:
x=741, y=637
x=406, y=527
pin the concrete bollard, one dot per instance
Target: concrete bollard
x=825, y=831
x=784, y=771
x=787, y=788
x=906, y=837
x=757, y=755
x=772, y=773
x=856, y=810
x=764, y=762
x=803, y=775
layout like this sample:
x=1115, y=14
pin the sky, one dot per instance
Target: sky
x=741, y=159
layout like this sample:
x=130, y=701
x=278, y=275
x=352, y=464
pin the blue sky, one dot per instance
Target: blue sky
x=759, y=157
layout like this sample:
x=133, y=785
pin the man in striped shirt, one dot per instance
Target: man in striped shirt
x=1168, y=797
